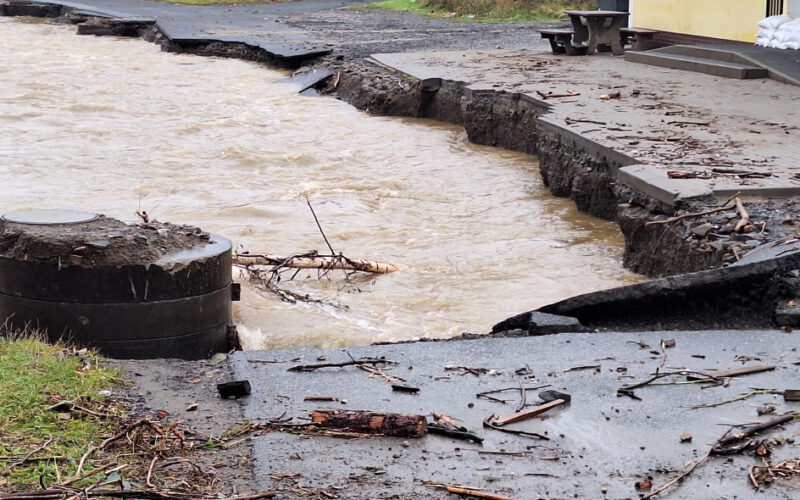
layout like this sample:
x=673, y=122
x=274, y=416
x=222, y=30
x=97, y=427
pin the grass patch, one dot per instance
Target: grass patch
x=38, y=445
x=489, y=10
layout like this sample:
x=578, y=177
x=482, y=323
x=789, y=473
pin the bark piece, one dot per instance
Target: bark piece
x=371, y=422
x=735, y=372
x=529, y=413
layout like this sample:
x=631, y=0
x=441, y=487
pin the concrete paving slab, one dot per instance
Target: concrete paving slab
x=599, y=446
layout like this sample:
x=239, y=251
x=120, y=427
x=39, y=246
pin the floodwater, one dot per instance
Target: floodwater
x=114, y=126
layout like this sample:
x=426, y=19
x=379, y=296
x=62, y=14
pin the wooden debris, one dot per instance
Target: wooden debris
x=585, y=367
x=314, y=261
x=456, y=434
x=670, y=220
x=320, y=398
x=371, y=422
x=552, y=95
x=377, y=371
x=529, y=413
x=677, y=174
x=688, y=122
x=726, y=445
x=734, y=372
x=742, y=174
x=739, y=441
x=611, y=95
x=467, y=491
x=489, y=423
x=363, y=361
x=445, y=421
x=744, y=216
x=791, y=395
x=466, y=369
x=572, y=121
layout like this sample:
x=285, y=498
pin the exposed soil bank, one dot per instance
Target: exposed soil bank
x=571, y=166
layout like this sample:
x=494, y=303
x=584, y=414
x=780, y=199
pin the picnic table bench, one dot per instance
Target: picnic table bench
x=562, y=40
x=639, y=36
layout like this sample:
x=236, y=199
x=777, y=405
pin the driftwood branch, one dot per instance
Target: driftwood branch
x=313, y=261
x=370, y=422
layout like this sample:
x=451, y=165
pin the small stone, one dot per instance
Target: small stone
x=765, y=409
x=701, y=230
x=75, y=260
x=686, y=437
x=406, y=444
x=218, y=358
x=101, y=244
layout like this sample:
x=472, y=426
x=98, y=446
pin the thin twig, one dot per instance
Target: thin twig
x=689, y=216
x=489, y=422
x=150, y=472
x=679, y=478
x=30, y=454
x=363, y=361
x=741, y=397
x=319, y=226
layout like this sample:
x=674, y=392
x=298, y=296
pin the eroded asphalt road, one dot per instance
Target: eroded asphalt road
x=345, y=27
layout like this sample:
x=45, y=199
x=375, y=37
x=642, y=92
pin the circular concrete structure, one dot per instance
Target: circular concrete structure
x=131, y=291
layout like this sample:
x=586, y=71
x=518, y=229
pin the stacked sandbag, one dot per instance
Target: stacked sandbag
x=779, y=32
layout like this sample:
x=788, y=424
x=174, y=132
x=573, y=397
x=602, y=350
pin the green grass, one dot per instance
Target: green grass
x=34, y=376
x=489, y=10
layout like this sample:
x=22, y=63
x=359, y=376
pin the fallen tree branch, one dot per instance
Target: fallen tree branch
x=355, y=362
x=314, y=261
x=467, y=491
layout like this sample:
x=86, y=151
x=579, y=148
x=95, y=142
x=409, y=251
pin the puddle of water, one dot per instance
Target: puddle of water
x=115, y=125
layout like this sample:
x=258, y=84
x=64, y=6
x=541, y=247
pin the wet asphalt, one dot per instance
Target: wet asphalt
x=600, y=445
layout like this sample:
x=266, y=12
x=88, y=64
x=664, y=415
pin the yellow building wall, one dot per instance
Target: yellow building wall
x=728, y=19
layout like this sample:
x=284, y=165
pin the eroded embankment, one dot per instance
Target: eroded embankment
x=571, y=165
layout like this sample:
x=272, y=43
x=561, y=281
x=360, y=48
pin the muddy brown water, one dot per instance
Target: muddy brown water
x=115, y=125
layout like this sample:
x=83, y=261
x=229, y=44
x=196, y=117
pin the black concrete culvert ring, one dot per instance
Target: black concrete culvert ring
x=142, y=291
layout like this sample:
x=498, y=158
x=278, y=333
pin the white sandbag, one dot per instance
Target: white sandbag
x=793, y=45
x=762, y=33
x=777, y=44
x=773, y=22
x=763, y=42
x=787, y=36
x=790, y=26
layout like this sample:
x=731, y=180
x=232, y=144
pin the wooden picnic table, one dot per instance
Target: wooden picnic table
x=598, y=27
